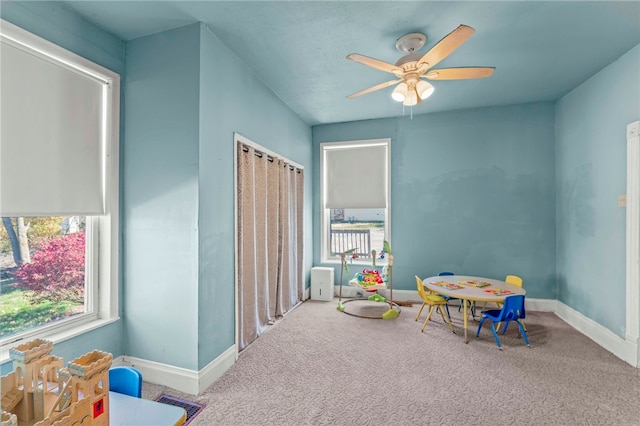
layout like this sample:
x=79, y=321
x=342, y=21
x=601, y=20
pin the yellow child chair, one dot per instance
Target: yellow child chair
x=514, y=279
x=435, y=302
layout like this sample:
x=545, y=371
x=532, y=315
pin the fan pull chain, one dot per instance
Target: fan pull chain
x=410, y=111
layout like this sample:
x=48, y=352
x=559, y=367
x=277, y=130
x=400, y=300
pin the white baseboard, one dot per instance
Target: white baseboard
x=623, y=349
x=351, y=292
x=540, y=305
x=182, y=379
x=402, y=295
x=348, y=291
x=118, y=361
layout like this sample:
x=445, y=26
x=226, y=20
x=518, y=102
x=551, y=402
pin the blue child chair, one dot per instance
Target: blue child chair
x=512, y=310
x=447, y=298
x=126, y=380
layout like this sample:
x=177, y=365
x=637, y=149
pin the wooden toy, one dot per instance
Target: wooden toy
x=41, y=392
x=9, y=419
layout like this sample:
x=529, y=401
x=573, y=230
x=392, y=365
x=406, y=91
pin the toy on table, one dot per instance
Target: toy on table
x=499, y=291
x=478, y=284
x=447, y=284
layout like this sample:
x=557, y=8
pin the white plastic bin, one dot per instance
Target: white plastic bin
x=322, y=283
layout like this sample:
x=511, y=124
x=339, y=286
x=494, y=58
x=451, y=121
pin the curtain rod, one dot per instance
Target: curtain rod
x=245, y=148
x=257, y=153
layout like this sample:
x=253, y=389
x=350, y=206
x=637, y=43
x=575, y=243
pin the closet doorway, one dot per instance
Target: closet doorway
x=269, y=239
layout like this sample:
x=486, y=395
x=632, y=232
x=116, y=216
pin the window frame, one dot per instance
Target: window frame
x=325, y=213
x=102, y=244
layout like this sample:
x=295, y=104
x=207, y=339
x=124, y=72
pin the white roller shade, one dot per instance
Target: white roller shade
x=52, y=143
x=355, y=175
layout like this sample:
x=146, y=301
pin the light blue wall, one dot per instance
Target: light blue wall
x=184, y=96
x=591, y=160
x=52, y=21
x=161, y=197
x=471, y=192
x=233, y=99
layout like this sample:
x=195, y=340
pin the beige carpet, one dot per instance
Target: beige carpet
x=318, y=366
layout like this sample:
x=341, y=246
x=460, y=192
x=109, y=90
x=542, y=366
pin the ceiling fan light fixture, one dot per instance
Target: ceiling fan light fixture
x=424, y=89
x=399, y=94
x=411, y=99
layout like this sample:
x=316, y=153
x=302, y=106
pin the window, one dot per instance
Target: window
x=58, y=191
x=355, y=182
x=44, y=271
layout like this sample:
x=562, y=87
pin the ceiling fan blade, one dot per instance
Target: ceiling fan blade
x=375, y=63
x=374, y=88
x=461, y=73
x=448, y=44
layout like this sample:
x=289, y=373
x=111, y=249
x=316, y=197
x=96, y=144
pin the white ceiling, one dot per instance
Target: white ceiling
x=541, y=50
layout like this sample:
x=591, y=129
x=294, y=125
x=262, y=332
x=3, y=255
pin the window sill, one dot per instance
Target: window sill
x=58, y=335
x=357, y=263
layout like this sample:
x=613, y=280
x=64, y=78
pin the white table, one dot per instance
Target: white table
x=470, y=293
x=125, y=410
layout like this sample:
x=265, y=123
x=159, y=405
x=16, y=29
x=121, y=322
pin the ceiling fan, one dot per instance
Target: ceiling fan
x=413, y=67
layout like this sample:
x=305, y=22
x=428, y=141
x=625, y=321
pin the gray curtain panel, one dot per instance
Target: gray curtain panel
x=270, y=246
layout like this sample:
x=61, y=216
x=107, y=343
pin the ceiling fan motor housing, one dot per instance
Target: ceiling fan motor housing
x=408, y=59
